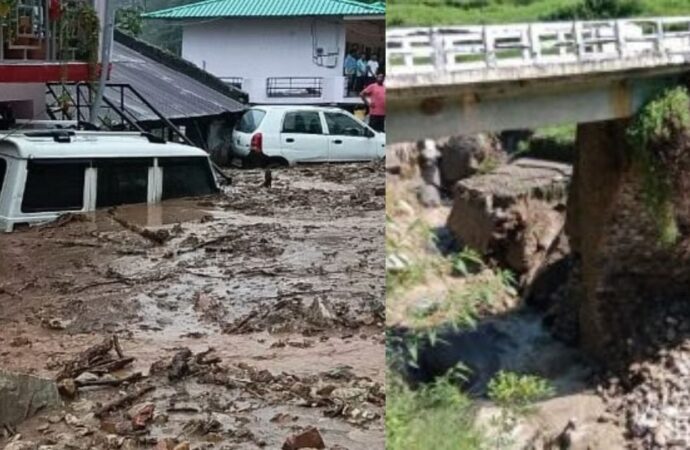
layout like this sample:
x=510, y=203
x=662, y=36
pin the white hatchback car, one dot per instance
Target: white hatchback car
x=286, y=135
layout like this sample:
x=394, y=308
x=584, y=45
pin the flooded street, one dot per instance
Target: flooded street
x=283, y=285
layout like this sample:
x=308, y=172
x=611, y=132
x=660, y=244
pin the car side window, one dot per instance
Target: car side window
x=54, y=185
x=122, y=181
x=186, y=177
x=302, y=122
x=342, y=125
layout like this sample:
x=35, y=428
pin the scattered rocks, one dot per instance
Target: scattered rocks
x=67, y=388
x=310, y=438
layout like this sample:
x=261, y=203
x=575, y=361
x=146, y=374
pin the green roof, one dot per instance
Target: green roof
x=269, y=8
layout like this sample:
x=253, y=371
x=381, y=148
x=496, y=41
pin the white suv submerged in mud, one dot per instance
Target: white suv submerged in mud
x=284, y=135
x=47, y=173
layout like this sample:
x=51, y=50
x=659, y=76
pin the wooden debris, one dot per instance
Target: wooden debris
x=123, y=401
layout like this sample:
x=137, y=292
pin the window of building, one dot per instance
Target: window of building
x=186, y=177
x=54, y=185
x=304, y=122
x=122, y=181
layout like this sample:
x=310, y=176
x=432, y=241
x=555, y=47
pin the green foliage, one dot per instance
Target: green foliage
x=467, y=262
x=436, y=416
x=517, y=393
x=457, y=12
x=129, y=20
x=596, y=9
x=488, y=164
x=652, y=134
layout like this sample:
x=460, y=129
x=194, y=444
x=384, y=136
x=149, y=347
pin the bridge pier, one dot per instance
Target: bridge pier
x=628, y=285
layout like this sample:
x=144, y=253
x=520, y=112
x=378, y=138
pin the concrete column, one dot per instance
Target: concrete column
x=627, y=277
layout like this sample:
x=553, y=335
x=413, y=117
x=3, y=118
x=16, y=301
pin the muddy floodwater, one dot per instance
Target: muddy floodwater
x=273, y=299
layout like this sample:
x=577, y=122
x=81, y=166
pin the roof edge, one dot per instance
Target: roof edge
x=375, y=9
x=181, y=65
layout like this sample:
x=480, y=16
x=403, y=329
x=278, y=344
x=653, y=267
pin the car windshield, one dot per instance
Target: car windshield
x=250, y=121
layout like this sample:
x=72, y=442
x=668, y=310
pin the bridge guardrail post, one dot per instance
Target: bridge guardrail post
x=488, y=41
x=437, y=44
x=534, y=43
x=577, y=40
x=620, y=37
x=660, y=37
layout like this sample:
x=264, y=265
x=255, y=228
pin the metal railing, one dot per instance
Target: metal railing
x=458, y=48
x=72, y=101
x=305, y=87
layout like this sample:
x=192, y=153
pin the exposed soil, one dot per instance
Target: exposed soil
x=285, y=284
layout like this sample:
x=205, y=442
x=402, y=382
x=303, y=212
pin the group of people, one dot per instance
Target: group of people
x=360, y=70
x=365, y=77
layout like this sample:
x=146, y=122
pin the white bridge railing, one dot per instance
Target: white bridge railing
x=413, y=51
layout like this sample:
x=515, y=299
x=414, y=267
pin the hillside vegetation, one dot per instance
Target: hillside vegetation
x=457, y=12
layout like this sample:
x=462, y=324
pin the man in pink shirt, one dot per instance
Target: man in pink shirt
x=375, y=96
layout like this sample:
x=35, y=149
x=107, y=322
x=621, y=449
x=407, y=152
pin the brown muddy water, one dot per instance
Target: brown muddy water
x=285, y=284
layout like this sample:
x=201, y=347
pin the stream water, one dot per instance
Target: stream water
x=516, y=342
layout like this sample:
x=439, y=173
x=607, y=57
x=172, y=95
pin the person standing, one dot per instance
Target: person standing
x=361, y=73
x=350, y=70
x=374, y=95
x=372, y=69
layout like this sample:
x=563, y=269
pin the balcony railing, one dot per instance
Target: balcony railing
x=32, y=30
x=305, y=87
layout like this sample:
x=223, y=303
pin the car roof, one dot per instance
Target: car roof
x=89, y=144
x=294, y=107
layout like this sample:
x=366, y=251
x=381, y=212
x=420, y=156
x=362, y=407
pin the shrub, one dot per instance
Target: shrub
x=596, y=9
x=655, y=136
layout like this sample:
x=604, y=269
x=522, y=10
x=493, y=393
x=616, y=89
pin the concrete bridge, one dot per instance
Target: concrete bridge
x=466, y=79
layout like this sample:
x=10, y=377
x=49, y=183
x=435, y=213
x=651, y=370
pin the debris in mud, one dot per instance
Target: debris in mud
x=179, y=367
x=141, y=415
x=652, y=395
x=22, y=396
x=310, y=438
x=158, y=237
x=301, y=258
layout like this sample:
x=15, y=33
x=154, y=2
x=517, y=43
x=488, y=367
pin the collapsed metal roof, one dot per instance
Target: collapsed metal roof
x=176, y=94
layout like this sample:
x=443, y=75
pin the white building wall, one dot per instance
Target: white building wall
x=255, y=49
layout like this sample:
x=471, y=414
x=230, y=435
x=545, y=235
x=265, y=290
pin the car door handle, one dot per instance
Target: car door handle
x=337, y=141
x=289, y=140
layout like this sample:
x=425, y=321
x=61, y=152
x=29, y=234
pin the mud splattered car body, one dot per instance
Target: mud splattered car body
x=47, y=173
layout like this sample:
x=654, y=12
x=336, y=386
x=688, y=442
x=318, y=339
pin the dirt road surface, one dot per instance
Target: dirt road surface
x=284, y=285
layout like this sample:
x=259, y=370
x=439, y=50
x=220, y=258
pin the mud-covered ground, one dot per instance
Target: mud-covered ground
x=285, y=285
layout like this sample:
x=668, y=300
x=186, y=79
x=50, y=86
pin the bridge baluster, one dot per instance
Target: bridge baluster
x=489, y=46
x=577, y=40
x=660, y=37
x=620, y=38
x=534, y=42
x=437, y=44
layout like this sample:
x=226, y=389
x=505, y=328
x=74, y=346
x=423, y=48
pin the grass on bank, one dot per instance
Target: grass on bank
x=467, y=12
x=439, y=416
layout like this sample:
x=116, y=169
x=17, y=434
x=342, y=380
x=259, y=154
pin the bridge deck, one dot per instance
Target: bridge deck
x=418, y=57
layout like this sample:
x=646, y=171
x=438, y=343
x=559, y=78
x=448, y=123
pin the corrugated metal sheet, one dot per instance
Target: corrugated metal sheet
x=268, y=8
x=174, y=94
